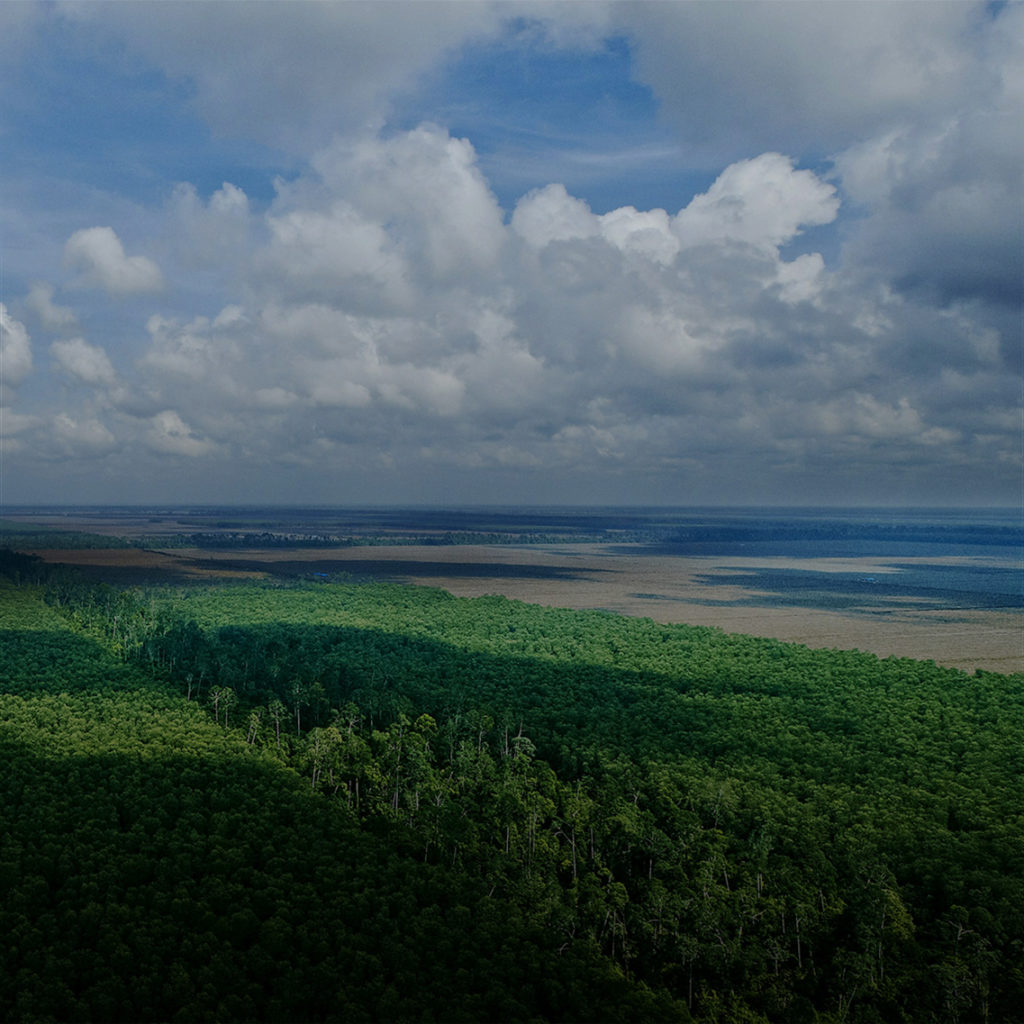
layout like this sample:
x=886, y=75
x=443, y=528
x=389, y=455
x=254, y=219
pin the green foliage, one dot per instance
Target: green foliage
x=378, y=802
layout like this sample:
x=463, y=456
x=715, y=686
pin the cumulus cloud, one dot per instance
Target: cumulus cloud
x=12, y=424
x=51, y=316
x=426, y=187
x=550, y=214
x=87, y=363
x=15, y=365
x=379, y=311
x=101, y=262
x=938, y=217
x=79, y=438
x=801, y=77
x=338, y=252
x=15, y=350
x=168, y=434
x=647, y=233
x=212, y=231
x=634, y=339
x=762, y=202
x=193, y=351
x=292, y=76
x=918, y=107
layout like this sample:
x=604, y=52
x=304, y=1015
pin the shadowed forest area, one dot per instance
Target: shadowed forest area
x=334, y=799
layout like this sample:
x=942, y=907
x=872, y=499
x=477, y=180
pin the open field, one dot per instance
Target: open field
x=821, y=602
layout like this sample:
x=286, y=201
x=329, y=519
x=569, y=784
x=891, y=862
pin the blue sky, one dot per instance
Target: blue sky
x=686, y=253
x=531, y=111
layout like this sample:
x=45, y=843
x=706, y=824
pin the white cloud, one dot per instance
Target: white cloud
x=426, y=187
x=336, y=252
x=379, y=311
x=15, y=350
x=291, y=75
x=647, y=234
x=762, y=202
x=99, y=257
x=88, y=363
x=330, y=383
x=503, y=379
x=15, y=422
x=229, y=201
x=438, y=392
x=229, y=316
x=194, y=351
x=392, y=320
x=741, y=77
x=918, y=105
x=51, y=316
x=210, y=232
x=168, y=434
x=661, y=341
x=274, y=399
x=82, y=437
x=550, y=214
x=801, y=279
x=646, y=333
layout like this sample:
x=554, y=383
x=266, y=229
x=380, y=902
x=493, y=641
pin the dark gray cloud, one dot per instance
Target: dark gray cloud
x=809, y=77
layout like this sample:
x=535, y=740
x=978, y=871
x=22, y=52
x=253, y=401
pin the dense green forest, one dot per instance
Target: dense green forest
x=342, y=801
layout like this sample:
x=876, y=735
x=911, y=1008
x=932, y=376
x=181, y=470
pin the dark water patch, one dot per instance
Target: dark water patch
x=976, y=578
x=809, y=533
x=815, y=548
x=836, y=531
x=919, y=587
x=397, y=569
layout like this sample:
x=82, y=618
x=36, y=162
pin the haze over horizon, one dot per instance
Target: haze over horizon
x=512, y=253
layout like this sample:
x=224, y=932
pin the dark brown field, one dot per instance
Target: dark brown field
x=661, y=587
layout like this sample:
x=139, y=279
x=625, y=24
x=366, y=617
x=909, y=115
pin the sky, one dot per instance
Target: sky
x=719, y=253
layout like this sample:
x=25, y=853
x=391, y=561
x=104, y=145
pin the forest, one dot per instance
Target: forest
x=337, y=800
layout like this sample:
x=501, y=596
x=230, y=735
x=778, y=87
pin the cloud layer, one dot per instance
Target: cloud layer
x=99, y=260
x=379, y=327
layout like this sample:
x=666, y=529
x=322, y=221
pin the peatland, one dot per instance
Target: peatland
x=340, y=799
x=246, y=776
x=926, y=584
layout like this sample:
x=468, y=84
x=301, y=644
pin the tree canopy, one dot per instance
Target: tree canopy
x=337, y=801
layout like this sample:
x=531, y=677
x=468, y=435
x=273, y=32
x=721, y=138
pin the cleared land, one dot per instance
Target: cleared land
x=722, y=591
